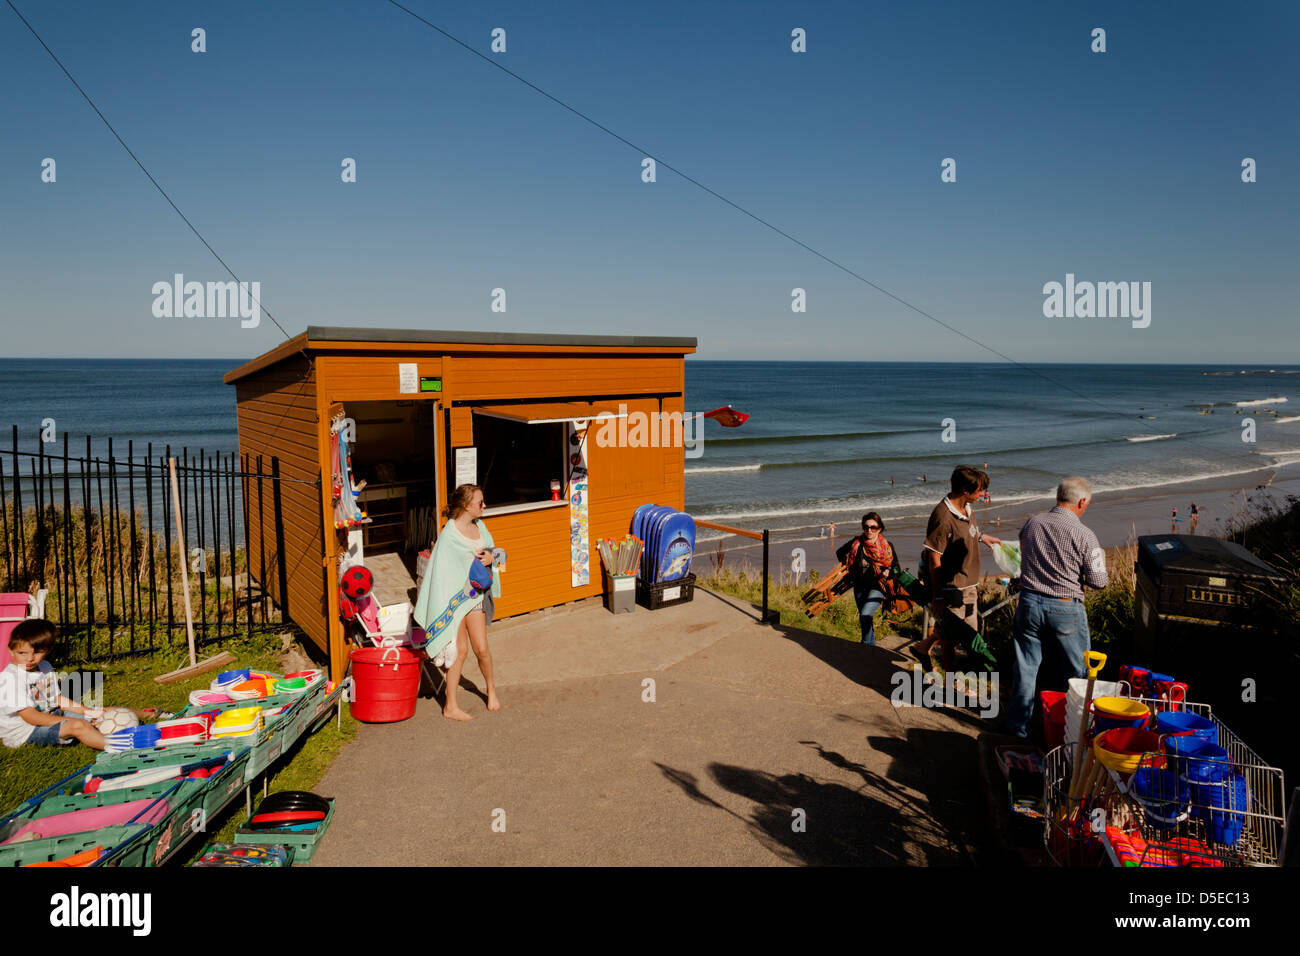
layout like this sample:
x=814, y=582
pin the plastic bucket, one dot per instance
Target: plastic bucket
x=386, y=684
x=1053, y=706
x=1224, y=812
x=1111, y=712
x=1078, y=686
x=1184, y=723
x=1121, y=749
x=1197, y=760
x=1138, y=678
x=1162, y=794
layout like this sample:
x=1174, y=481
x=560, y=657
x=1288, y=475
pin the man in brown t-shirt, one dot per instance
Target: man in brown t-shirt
x=951, y=560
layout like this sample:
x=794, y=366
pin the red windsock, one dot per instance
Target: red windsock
x=728, y=417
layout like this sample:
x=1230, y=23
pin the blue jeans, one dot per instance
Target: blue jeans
x=47, y=735
x=868, y=604
x=1040, y=618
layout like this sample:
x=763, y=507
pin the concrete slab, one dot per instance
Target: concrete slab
x=752, y=746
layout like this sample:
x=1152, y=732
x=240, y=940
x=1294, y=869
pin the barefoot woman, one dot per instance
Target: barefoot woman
x=455, y=622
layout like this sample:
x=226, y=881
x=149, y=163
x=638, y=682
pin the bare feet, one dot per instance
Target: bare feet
x=493, y=702
x=456, y=714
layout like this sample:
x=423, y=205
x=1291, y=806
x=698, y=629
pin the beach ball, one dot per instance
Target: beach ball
x=356, y=582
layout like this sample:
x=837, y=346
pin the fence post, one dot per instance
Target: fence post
x=167, y=510
x=90, y=550
x=283, y=575
x=248, y=543
x=766, y=612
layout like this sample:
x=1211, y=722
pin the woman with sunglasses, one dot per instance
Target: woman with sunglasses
x=871, y=561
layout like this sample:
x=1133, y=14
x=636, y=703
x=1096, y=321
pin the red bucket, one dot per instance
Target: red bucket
x=1053, y=707
x=386, y=684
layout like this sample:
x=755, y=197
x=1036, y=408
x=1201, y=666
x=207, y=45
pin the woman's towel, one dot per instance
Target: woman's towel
x=445, y=593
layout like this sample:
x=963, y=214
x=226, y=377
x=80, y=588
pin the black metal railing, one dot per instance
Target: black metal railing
x=99, y=535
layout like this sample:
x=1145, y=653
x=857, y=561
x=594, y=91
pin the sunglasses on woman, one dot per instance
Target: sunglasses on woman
x=871, y=527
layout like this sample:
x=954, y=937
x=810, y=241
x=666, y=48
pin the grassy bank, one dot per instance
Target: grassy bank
x=128, y=682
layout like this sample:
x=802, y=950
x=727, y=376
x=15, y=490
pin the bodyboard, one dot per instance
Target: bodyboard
x=676, y=546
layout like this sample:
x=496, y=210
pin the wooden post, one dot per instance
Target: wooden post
x=180, y=544
x=212, y=663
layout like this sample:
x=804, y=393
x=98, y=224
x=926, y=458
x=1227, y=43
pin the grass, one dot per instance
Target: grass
x=128, y=682
x=1110, y=610
x=839, y=620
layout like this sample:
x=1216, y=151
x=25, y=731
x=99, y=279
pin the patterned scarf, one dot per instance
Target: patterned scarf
x=881, y=555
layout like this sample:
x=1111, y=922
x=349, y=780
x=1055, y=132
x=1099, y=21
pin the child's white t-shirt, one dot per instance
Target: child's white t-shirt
x=20, y=689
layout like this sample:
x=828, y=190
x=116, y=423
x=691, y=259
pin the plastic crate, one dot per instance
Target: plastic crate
x=115, y=840
x=665, y=593
x=302, y=843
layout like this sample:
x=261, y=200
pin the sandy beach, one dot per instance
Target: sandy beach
x=1115, y=517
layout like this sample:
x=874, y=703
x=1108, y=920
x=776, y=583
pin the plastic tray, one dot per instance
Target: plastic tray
x=303, y=844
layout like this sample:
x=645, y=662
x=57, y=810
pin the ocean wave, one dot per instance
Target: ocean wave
x=948, y=456
x=1289, y=418
x=829, y=436
x=1261, y=401
x=891, y=510
x=722, y=468
x=1150, y=437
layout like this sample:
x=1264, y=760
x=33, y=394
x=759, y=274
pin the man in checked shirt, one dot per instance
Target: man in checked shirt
x=1058, y=555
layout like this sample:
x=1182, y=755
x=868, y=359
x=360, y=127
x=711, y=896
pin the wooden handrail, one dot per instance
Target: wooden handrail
x=756, y=535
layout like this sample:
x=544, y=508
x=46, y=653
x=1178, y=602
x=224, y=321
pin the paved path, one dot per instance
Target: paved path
x=749, y=724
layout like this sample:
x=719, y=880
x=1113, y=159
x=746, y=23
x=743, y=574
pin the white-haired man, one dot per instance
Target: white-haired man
x=1058, y=555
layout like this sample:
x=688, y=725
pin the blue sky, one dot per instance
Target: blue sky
x=1115, y=167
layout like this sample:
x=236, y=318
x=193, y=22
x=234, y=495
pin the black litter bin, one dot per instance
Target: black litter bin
x=1198, y=618
x=1196, y=593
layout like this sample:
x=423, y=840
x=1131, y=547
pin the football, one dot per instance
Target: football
x=115, y=719
x=356, y=582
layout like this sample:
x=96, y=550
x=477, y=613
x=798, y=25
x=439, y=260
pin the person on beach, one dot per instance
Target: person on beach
x=454, y=614
x=951, y=560
x=871, y=561
x=1195, y=516
x=32, y=711
x=1058, y=555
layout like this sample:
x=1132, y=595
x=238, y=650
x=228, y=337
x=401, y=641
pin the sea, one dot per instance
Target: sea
x=824, y=441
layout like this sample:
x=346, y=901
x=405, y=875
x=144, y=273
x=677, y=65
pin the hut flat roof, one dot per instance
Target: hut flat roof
x=331, y=338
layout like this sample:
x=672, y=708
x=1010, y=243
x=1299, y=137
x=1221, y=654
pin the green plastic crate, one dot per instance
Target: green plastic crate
x=303, y=844
x=117, y=840
x=129, y=760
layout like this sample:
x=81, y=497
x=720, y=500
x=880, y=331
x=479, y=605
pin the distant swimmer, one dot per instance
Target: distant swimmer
x=891, y=481
x=923, y=479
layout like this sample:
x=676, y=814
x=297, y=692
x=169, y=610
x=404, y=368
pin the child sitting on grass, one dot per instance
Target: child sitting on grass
x=32, y=711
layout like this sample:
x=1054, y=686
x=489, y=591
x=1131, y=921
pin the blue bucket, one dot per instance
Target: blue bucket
x=1183, y=723
x=1196, y=760
x=1162, y=794
x=1224, y=808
